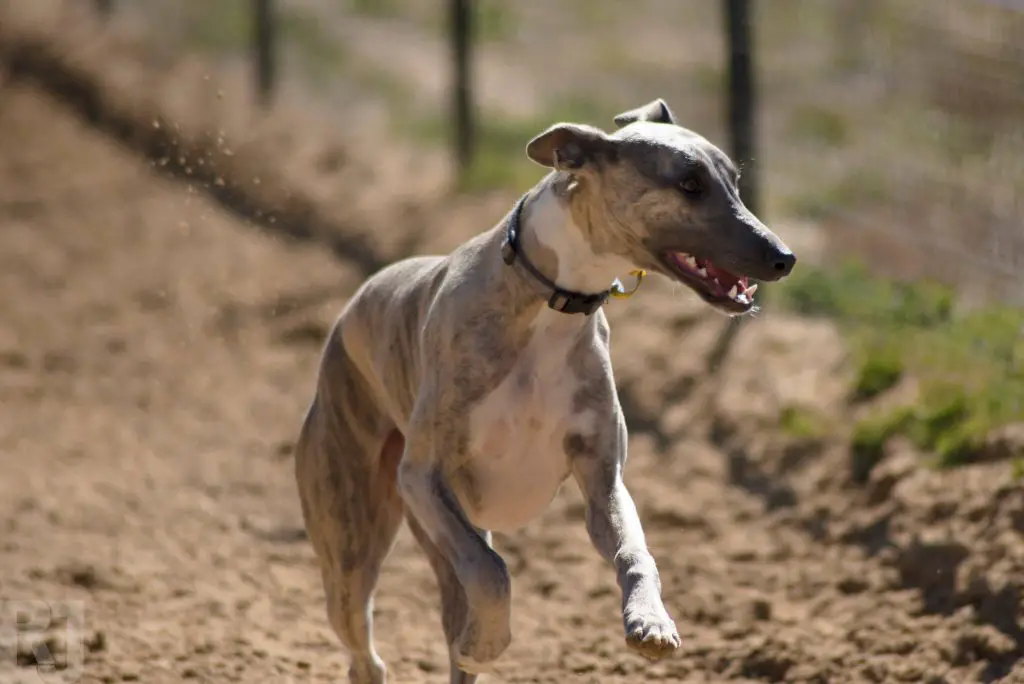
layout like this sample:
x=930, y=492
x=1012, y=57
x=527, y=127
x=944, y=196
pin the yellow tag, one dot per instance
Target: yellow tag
x=620, y=293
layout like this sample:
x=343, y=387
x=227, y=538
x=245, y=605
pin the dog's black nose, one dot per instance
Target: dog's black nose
x=782, y=262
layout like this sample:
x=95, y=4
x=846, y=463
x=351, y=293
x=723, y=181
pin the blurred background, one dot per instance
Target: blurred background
x=190, y=190
x=895, y=124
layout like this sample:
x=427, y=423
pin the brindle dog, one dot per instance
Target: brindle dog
x=459, y=392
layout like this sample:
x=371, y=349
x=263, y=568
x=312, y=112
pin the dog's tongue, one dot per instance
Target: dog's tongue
x=726, y=278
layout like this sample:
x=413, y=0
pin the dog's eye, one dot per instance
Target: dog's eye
x=691, y=186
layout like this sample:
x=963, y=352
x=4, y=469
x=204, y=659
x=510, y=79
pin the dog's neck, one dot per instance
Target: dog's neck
x=552, y=239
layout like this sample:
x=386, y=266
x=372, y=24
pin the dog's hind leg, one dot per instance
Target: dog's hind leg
x=346, y=461
x=453, y=597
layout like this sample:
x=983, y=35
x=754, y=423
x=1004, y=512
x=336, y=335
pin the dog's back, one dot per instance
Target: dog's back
x=380, y=327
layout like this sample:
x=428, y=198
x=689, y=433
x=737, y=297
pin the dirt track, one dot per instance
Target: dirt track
x=157, y=355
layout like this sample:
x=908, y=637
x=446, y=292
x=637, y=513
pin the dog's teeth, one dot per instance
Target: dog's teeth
x=703, y=273
x=732, y=292
x=690, y=261
x=751, y=290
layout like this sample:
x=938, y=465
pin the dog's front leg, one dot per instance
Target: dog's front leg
x=479, y=569
x=616, y=532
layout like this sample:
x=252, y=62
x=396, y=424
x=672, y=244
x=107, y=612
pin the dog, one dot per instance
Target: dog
x=459, y=392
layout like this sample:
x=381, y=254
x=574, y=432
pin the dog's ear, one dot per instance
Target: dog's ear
x=655, y=111
x=568, y=146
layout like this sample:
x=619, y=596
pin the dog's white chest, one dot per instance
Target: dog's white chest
x=517, y=435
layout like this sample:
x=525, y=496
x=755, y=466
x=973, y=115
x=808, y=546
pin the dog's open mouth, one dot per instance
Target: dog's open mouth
x=715, y=285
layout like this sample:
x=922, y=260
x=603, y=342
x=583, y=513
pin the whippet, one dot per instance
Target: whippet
x=459, y=392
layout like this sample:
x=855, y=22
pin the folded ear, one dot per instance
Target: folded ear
x=655, y=111
x=568, y=146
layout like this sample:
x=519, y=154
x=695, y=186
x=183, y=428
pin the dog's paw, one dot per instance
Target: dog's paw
x=476, y=649
x=651, y=632
x=476, y=655
x=470, y=665
x=477, y=661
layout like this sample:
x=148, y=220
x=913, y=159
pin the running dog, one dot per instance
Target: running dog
x=459, y=392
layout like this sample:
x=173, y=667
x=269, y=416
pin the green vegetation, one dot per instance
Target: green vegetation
x=858, y=187
x=802, y=423
x=709, y=79
x=377, y=8
x=820, y=124
x=225, y=27
x=880, y=368
x=867, y=444
x=222, y=26
x=851, y=295
x=494, y=20
x=949, y=422
x=1018, y=469
x=969, y=366
x=593, y=15
x=500, y=160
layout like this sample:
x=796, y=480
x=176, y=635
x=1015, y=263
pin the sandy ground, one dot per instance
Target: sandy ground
x=157, y=354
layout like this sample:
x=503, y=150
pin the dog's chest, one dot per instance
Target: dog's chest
x=517, y=456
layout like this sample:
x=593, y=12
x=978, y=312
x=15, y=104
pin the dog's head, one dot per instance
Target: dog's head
x=667, y=200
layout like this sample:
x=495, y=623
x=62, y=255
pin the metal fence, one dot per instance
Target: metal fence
x=894, y=126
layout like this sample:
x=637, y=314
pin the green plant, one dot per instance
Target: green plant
x=969, y=365
x=850, y=294
x=495, y=20
x=880, y=369
x=376, y=8
x=802, y=423
x=949, y=422
x=867, y=444
x=1017, y=469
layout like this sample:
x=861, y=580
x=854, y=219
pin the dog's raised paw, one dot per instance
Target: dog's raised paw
x=652, y=636
x=474, y=656
x=471, y=665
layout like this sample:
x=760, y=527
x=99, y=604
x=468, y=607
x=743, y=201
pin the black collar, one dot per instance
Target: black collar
x=564, y=301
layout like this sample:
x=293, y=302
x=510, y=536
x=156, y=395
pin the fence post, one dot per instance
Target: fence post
x=104, y=7
x=742, y=98
x=264, y=51
x=742, y=114
x=462, y=96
